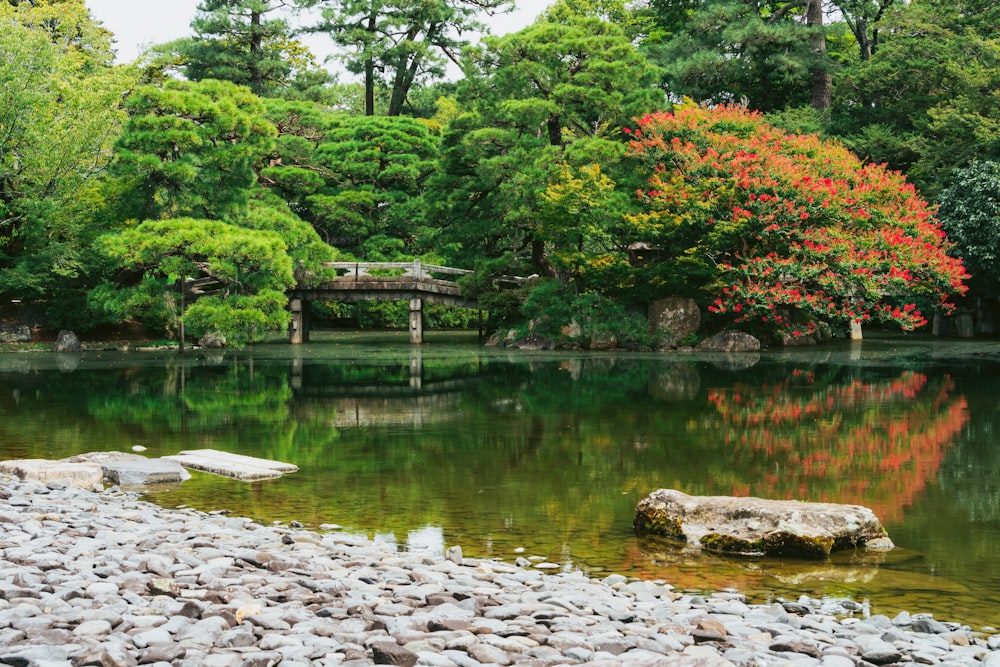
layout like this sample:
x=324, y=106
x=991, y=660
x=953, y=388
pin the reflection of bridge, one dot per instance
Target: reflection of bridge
x=406, y=281
x=406, y=400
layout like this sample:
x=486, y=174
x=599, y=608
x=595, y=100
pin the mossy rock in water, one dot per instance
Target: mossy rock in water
x=659, y=524
x=733, y=545
x=758, y=526
x=801, y=546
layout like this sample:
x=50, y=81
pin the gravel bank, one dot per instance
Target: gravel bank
x=104, y=579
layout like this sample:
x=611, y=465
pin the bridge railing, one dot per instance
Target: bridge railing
x=418, y=271
x=415, y=269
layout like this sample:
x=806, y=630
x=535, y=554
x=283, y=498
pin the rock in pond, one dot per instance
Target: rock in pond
x=730, y=341
x=66, y=341
x=757, y=526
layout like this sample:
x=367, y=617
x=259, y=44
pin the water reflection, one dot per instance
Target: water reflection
x=510, y=454
x=876, y=441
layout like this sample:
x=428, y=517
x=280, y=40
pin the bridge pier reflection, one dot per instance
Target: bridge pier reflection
x=416, y=368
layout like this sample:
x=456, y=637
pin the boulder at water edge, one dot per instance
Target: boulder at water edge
x=674, y=319
x=66, y=341
x=756, y=526
x=15, y=333
x=730, y=341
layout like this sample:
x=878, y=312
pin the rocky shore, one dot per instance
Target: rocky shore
x=102, y=578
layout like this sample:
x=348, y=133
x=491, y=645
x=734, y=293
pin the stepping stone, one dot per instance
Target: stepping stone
x=145, y=472
x=80, y=475
x=127, y=469
x=235, y=466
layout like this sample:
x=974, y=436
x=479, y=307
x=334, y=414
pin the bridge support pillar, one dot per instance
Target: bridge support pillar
x=298, y=328
x=416, y=321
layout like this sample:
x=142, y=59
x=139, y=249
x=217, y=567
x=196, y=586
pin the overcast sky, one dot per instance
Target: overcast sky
x=137, y=24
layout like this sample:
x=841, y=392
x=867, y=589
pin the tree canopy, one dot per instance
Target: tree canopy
x=393, y=43
x=252, y=270
x=787, y=232
x=551, y=97
x=566, y=149
x=970, y=214
x=60, y=114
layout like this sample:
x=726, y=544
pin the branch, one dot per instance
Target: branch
x=780, y=13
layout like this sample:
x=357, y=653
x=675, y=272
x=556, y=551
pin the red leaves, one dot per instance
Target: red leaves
x=823, y=435
x=820, y=235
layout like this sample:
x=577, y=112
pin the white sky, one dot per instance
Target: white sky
x=138, y=24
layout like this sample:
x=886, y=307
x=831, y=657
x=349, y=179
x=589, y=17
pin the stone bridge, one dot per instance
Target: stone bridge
x=415, y=282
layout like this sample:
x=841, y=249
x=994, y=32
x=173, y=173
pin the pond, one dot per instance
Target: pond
x=545, y=455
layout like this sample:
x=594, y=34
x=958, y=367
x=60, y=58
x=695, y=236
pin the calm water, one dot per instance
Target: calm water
x=547, y=454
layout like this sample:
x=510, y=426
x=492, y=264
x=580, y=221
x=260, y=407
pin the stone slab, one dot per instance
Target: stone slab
x=759, y=526
x=236, y=466
x=80, y=475
x=145, y=472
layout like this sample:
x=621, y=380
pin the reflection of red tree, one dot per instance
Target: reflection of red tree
x=686, y=570
x=871, y=443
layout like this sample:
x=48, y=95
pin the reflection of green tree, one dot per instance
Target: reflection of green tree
x=167, y=407
x=234, y=407
x=553, y=444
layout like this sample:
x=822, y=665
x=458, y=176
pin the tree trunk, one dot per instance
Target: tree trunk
x=370, y=73
x=864, y=44
x=821, y=80
x=554, y=128
x=256, y=42
x=406, y=72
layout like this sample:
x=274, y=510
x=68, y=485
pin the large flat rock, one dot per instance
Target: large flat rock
x=95, y=468
x=757, y=526
x=80, y=475
x=145, y=473
x=126, y=469
x=236, y=466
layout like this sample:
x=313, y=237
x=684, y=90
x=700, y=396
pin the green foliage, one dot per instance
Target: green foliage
x=800, y=120
x=548, y=99
x=248, y=42
x=193, y=150
x=240, y=318
x=190, y=150
x=555, y=311
x=267, y=212
x=357, y=179
x=251, y=268
x=68, y=26
x=970, y=213
x=149, y=299
x=725, y=51
x=59, y=114
x=395, y=43
x=582, y=220
x=926, y=100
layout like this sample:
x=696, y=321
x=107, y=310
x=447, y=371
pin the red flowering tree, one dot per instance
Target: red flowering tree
x=784, y=232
